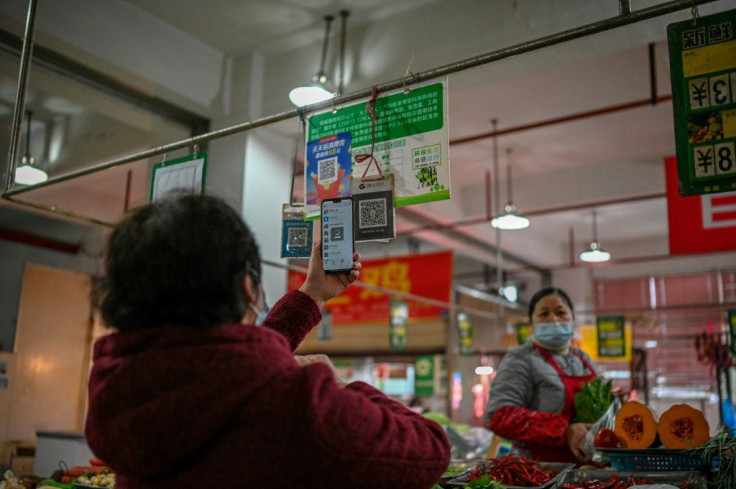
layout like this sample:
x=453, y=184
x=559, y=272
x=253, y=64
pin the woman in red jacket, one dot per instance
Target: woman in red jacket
x=190, y=393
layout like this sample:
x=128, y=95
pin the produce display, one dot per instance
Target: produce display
x=615, y=482
x=96, y=475
x=512, y=471
x=592, y=401
x=682, y=426
x=635, y=426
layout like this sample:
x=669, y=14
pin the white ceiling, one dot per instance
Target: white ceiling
x=572, y=165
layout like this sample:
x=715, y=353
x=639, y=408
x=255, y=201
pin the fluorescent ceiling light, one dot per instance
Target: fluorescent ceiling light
x=317, y=90
x=484, y=370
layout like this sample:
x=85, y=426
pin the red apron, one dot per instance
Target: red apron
x=572, y=385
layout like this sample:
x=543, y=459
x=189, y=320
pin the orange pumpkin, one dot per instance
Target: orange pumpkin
x=635, y=426
x=682, y=426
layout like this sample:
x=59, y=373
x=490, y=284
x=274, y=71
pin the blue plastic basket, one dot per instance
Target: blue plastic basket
x=652, y=459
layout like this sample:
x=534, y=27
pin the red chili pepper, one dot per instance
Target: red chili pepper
x=610, y=483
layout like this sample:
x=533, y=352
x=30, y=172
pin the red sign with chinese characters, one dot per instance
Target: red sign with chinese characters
x=701, y=223
x=427, y=275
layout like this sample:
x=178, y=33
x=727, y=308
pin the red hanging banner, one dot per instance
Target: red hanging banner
x=427, y=275
x=701, y=223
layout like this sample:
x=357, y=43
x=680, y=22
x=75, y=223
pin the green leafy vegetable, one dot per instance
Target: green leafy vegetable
x=454, y=470
x=593, y=400
x=485, y=482
x=719, y=452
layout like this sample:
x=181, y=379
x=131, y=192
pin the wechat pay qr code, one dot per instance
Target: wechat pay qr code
x=372, y=213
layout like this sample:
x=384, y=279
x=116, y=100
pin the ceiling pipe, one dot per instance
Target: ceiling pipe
x=481, y=244
x=559, y=120
x=618, y=261
x=343, y=33
x=39, y=241
x=652, y=74
x=533, y=212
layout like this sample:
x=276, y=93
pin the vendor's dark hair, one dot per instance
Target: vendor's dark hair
x=544, y=293
x=178, y=261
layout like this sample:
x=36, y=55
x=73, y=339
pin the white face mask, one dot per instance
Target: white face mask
x=262, y=314
x=553, y=335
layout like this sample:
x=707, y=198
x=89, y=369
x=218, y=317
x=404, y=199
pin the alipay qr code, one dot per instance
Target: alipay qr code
x=372, y=213
x=298, y=236
x=327, y=170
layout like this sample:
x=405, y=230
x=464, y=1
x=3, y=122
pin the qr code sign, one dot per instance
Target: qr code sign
x=298, y=237
x=372, y=213
x=327, y=171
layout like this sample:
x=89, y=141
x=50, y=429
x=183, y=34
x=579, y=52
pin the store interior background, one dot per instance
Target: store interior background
x=228, y=62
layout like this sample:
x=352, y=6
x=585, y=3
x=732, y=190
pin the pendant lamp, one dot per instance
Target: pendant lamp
x=28, y=173
x=510, y=219
x=317, y=90
x=595, y=253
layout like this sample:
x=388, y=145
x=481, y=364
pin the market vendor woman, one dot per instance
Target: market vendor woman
x=532, y=396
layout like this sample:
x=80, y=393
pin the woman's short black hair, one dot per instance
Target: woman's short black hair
x=544, y=293
x=178, y=261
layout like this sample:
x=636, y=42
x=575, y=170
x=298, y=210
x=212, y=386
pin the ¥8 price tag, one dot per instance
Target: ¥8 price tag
x=703, y=76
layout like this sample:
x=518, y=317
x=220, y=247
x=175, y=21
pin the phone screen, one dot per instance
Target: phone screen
x=337, y=234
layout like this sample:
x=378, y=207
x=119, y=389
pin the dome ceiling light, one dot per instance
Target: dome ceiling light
x=317, y=90
x=28, y=173
x=595, y=253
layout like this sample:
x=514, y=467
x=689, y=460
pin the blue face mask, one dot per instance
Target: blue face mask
x=553, y=335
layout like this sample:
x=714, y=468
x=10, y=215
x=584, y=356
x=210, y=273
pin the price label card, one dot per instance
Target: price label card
x=296, y=233
x=183, y=175
x=373, y=208
x=703, y=76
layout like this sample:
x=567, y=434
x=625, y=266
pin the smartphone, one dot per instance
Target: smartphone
x=338, y=244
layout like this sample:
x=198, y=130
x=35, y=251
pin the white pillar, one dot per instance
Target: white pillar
x=252, y=170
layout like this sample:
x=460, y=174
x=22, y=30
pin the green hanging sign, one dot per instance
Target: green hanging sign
x=424, y=368
x=703, y=76
x=611, y=336
x=398, y=324
x=465, y=333
x=523, y=332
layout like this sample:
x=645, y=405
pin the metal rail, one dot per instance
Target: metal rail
x=20, y=94
x=626, y=18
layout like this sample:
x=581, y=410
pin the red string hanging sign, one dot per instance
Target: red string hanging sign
x=370, y=110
